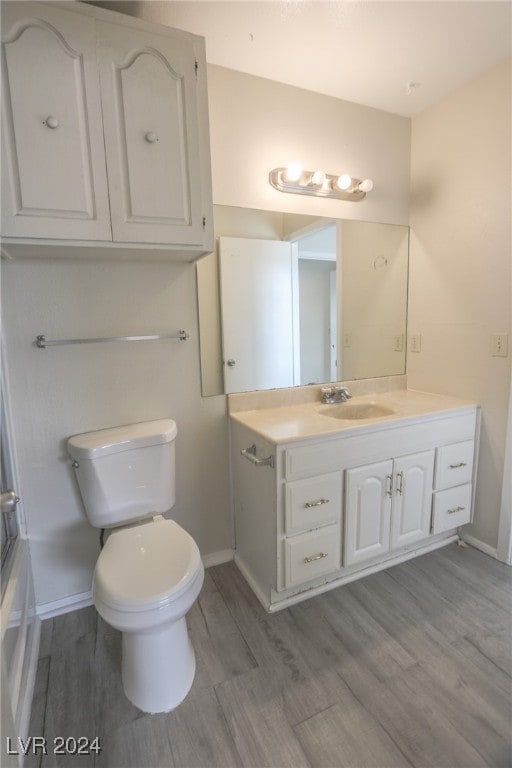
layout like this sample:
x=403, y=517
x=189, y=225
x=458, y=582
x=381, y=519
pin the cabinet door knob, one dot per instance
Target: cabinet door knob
x=51, y=122
x=151, y=137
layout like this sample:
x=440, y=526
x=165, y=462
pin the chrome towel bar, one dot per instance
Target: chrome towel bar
x=42, y=342
x=250, y=453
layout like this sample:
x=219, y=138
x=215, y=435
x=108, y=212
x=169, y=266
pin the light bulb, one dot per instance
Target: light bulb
x=366, y=185
x=292, y=172
x=318, y=178
x=344, y=181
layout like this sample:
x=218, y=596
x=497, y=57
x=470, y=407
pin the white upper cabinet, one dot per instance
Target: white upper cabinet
x=105, y=130
x=54, y=182
x=148, y=85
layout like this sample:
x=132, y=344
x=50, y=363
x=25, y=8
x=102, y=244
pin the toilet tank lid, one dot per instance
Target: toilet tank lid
x=93, y=445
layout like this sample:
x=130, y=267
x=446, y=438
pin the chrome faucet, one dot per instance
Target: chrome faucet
x=335, y=394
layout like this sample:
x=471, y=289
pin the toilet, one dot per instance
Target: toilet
x=149, y=572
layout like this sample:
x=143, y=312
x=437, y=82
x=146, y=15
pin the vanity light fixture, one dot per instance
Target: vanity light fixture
x=319, y=184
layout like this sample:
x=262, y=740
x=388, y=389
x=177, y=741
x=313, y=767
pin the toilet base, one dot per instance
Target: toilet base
x=158, y=668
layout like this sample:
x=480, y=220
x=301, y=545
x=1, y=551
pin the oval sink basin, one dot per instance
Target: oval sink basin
x=355, y=411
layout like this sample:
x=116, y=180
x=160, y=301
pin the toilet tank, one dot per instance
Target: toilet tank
x=125, y=473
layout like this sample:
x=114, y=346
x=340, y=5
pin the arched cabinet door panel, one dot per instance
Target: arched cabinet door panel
x=148, y=85
x=54, y=181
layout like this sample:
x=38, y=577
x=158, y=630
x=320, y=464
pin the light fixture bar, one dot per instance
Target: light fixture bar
x=319, y=184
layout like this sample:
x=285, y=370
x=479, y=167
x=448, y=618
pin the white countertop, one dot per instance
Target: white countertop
x=300, y=421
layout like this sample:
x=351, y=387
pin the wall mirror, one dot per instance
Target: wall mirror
x=289, y=300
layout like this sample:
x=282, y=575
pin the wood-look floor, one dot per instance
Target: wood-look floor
x=409, y=667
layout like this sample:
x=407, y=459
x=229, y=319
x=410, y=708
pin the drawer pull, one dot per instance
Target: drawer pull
x=454, y=510
x=318, y=503
x=459, y=465
x=312, y=558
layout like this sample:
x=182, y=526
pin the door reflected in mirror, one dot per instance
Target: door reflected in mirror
x=288, y=300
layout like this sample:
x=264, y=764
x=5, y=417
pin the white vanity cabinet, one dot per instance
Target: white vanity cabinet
x=316, y=512
x=105, y=131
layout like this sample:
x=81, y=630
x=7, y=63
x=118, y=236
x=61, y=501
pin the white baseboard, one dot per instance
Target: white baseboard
x=481, y=545
x=64, y=605
x=217, y=558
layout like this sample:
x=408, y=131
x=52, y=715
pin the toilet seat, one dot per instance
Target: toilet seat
x=146, y=567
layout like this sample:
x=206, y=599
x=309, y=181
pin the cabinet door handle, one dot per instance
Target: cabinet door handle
x=312, y=558
x=318, y=503
x=389, y=485
x=454, y=510
x=459, y=465
x=400, y=483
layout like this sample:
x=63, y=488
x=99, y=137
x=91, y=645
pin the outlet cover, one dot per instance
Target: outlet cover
x=398, y=342
x=415, y=342
x=499, y=345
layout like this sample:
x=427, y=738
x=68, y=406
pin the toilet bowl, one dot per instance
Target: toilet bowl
x=146, y=579
x=149, y=572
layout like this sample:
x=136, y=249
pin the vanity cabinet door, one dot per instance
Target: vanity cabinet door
x=368, y=511
x=412, y=498
x=150, y=114
x=53, y=176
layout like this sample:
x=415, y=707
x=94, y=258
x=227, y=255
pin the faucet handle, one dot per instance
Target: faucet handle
x=343, y=391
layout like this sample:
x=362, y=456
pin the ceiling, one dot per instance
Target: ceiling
x=396, y=56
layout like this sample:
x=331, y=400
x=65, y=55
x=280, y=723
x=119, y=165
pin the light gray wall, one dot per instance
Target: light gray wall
x=460, y=264
x=62, y=391
x=258, y=124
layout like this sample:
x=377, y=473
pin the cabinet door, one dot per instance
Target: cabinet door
x=412, y=498
x=148, y=86
x=53, y=178
x=368, y=510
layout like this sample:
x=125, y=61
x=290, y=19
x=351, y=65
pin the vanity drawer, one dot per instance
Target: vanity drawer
x=451, y=508
x=312, y=554
x=312, y=503
x=454, y=464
